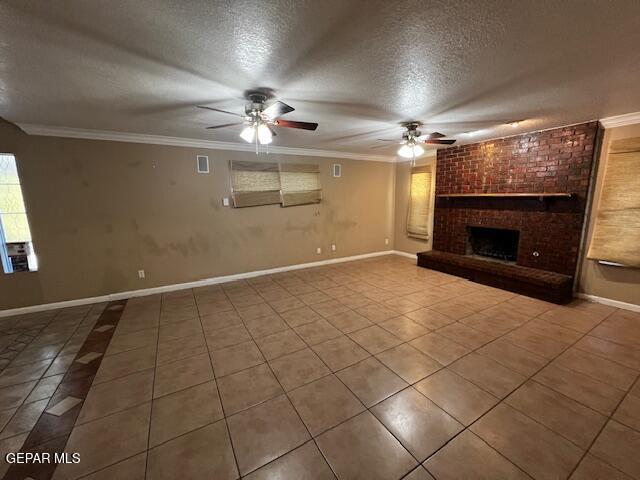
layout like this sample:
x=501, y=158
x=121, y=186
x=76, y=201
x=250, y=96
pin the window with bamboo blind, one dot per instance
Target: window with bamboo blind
x=419, y=202
x=254, y=183
x=264, y=183
x=616, y=233
x=300, y=184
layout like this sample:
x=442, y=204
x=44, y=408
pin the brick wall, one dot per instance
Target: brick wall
x=552, y=161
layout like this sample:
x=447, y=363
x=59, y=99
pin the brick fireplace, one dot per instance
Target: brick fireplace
x=548, y=228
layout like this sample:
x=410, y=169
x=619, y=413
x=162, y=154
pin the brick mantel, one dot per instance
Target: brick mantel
x=550, y=161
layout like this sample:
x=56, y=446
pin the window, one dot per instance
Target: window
x=254, y=183
x=16, y=250
x=616, y=234
x=263, y=183
x=300, y=184
x=419, y=203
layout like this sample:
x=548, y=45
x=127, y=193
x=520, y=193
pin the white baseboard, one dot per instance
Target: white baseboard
x=183, y=286
x=608, y=301
x=413, y=256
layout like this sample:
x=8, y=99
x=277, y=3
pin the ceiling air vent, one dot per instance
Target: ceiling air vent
x=203, y=163
x=337, y=170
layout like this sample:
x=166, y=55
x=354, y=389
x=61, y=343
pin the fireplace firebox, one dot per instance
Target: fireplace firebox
x=493, y=243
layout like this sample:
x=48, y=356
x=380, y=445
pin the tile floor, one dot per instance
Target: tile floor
x=373, y=369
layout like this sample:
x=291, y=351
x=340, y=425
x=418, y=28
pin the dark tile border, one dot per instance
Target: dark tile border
x=50, y=433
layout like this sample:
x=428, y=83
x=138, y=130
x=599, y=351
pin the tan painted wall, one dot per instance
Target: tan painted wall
x=402, y=241
x=101, y=210
x=616, y=283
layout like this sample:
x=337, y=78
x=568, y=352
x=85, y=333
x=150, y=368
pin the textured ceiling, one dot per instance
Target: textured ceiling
x=359, y=68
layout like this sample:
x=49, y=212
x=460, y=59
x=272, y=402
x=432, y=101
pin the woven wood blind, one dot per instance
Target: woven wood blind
x=616, y=234
x=300, y=184
x=419, y=203
x=254, y=183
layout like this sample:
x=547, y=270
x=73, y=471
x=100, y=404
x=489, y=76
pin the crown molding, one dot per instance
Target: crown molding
x=67, y=132
x=621, y=120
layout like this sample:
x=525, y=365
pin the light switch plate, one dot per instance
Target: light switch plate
x=225, y=201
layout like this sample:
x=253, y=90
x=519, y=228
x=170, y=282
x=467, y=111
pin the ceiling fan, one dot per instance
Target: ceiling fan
x=259, y=119
x=412, y=140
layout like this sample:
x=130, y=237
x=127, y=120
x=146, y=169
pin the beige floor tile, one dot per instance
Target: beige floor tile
x=267, y=325
x=375, y=339
x=355, y=301
x=280, y=343
x=362, y=448
x=248, y=388
x=126, y=363
x=252, y=312
x=597, y=395
x=216, y=321
x=440, y=348
x=468, y=457
x=130, y=469
x=466, y=336
x=628, y=412
x=401, y=305
x=317, y=332
x=24, y=419
x=513, y=357
x=314, y=297
x=107, y=440
x=184, y=328
x=23, y=373
x=409, y=363
x=557, y=412
x=178, y=314
x=404, y=328
x=553, y=331
x=174, y=376
x=203, y=453
x=116, y=395
x=376, y=312
x=184, y=411
x=285, y=304
x=265, y=432
x=535, y=343
x=572, y=318
x=618, y=445
x=303, y=463
x=419, y=474
x=534, y=448
x=226, y=337
x=488, y=374
x=371, y=381
x=592, y=468
x=417, y=422
x=181, y=348
x=452, y=310
x=238, y=357
x=324, y=404
x=429, y=319
x=457, y=396
x=330, y=307
x=622, y=354
x=298, y=368
x=300, y=316
x=348, y=321
x=340, y=352
x=598, y=368
x=13, y=396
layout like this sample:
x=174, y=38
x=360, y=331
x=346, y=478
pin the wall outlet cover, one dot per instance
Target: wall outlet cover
x=318, y=250
x=225, y=202
x=140, y=273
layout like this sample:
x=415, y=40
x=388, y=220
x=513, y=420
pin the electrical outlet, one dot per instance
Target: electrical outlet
x=318, y=250
x=333, y=247
x=140, y=273
x=225, y=201
x=386, y=241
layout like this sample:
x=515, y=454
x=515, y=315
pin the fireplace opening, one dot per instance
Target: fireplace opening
x=493, y=243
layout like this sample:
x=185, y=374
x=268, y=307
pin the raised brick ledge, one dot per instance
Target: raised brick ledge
x=550, y=286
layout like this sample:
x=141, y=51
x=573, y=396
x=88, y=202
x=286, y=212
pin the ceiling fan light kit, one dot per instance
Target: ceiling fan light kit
x=259, y=119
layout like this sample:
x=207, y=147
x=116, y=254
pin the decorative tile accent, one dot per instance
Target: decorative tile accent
x=64, y=406
x=88, y=358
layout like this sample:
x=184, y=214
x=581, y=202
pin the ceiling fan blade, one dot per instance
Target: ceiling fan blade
x=293, y=124
x=277, y=109
x=439, y=142
x=273, y=132
x=221, y=111
x=225, y=125
x=434, y=136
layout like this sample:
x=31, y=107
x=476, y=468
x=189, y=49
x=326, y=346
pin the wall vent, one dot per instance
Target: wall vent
x=337, y=170
x=203, y=163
